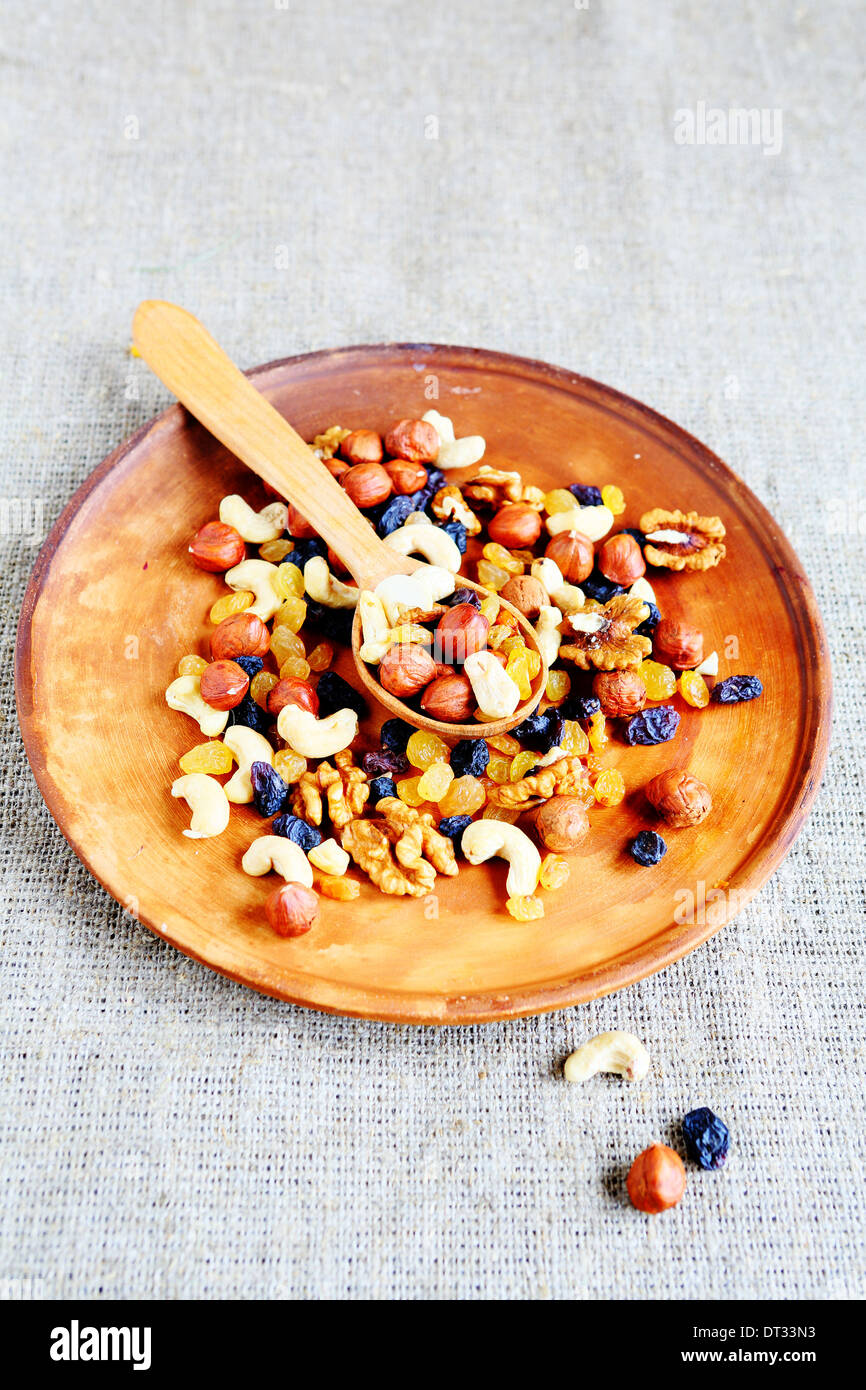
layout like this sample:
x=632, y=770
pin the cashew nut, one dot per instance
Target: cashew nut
x=284, y=856
x=591, y=522
x=184, y=694
x=485, y=838
x=208, y=802
x=497, y=694
x=454, y=453
x=257, y=576
x=330, y=857
x=374, y=620
x=323, y=587
x=617, y=1052
x=430, y=541
x=316, y=738
x=420, y=589
x=709, y=666
x=266, y=525
x=548, y=574
x=248, y=747
x=417, y=519
x=641, y=588
x=548, y=633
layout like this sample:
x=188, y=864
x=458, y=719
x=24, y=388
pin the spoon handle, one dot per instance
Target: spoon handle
x=194, y=367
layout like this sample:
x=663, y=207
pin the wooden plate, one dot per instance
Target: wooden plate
x=114, y=602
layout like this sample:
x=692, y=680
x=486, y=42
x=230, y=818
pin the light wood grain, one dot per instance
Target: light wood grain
x=104, y=746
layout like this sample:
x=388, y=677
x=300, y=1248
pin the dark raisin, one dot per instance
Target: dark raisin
x=393, y=513
x=737, y=688
x=586, y=496
x=380, y=787
x=251, y=664
x=599, y=588
x=395, y=734
x=649, y=625
x=333, y=623
x=457, y=532
x=303, y=549
x=435, y=480
x=334, y=693
x=656, y=725
x=540, y=732
x=464, y=596
x=706, y=1137
x=298, y=831
x=635, y=534
x=648, y=848
x=453, y=827
x=269, y=789
x=576, y=706
x=469, y=757
x=251, y=715
x=384, y=762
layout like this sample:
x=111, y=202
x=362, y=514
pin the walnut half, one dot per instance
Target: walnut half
x=682, y=540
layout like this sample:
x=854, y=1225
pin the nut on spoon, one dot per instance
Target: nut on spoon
x=181, y=352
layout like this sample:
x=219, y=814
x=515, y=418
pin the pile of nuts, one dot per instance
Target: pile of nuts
x=289, y=735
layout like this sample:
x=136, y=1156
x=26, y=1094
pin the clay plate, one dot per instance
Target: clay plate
x=114, y=602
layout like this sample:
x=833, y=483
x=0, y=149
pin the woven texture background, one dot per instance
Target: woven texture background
x=169, y=1133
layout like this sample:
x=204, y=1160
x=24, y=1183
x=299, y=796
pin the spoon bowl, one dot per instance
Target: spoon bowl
x=181, y=352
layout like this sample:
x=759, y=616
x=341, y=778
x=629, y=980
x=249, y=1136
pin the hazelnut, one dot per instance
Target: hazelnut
x=561, y=823
x=678, y=644
x=243, y=634
x=680, y=799
x=462, y=631
x=622, y=693
x=292, y=909
x=621, y=560
x=527, y=594
x=415, y=440
x=298, y=526
x=406, y=476
x=362, y=446
x=656, y=1179
x=336, y=467
x=216, y=547
x=449, y=698
x=406, y=669
x=291, y=690
x=367, y=484
x=224, y=684
x=516, y=525
x=573, y=553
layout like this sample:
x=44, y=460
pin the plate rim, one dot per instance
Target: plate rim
x=544, y=996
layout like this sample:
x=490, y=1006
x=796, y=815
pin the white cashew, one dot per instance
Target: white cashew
x=454, y=453
x=266, y=525
x=548, y=574
x=417, y=519
x=256, y=575
x=284, y=856
x=497, y=694
x=641, y=588
x=248, y=747
x=553, y=756
x=548, y=633
x=208, y=802
x=323, y=587
x=316, y=738
x=591, y=522
x=329, y=857
x=568, y=597
x=184, y=694
x=420, y=589
x=709, y=666
x=374, y=620
x=485, y=838
x=617, y=1052
x=430, y=541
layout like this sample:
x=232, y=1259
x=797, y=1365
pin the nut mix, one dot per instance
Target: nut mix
x=283, y=733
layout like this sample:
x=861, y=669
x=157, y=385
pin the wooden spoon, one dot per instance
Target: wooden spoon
x=195, y=369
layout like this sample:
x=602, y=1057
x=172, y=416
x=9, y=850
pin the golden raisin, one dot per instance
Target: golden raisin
x=525, y=909
x=613, y=499
x=693, y=689
x=554, y=871
x=288, y=582
x=214, y=757
x=425, y=748
x=464, y=797
x=289, y=765
x=660, y=681
x=291, y=613
x=341, y=889
x=229, y=604
x=321, y=657
x=261, y=686
x=558, y=686
x=191, y=665
x=609, y=787
x=435, y=781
